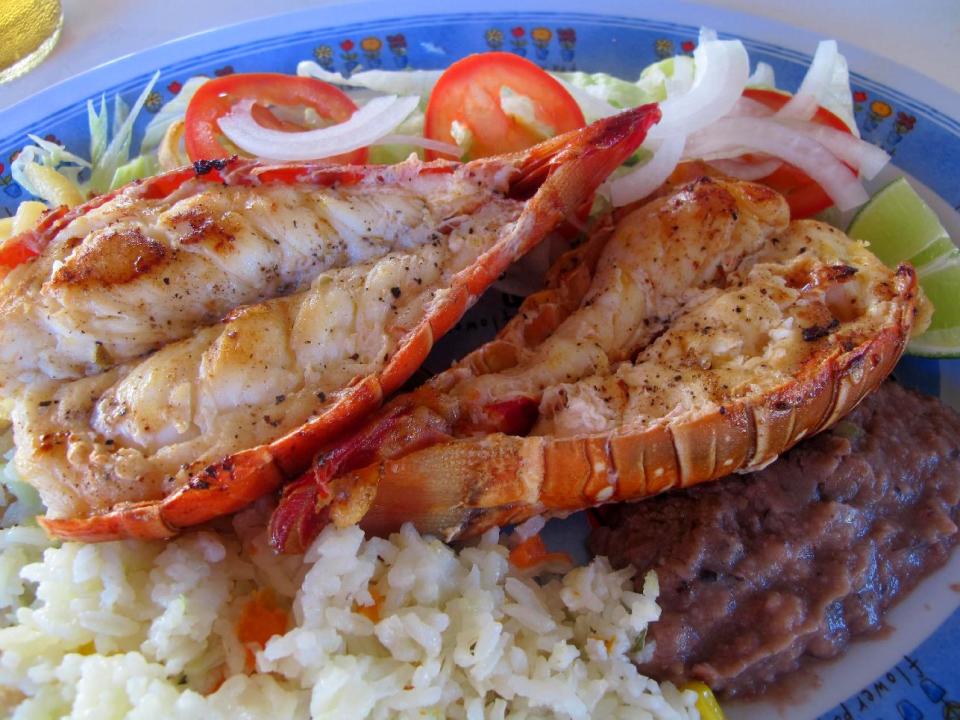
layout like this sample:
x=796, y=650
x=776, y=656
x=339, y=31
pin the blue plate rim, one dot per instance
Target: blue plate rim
x=865, y=65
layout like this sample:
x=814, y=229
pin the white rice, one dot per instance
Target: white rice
x=148, y=630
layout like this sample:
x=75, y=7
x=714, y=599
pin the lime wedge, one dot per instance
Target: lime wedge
x=936, y=344
x=942, y=287
x=935, y=250
x=900, y=226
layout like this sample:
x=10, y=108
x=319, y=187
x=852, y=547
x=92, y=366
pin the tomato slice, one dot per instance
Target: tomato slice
x=215, y=98
x=17, y=250
x=803, y=194
x=469, y=93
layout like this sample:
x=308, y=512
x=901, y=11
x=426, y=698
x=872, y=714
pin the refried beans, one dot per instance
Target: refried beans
x=761, y=569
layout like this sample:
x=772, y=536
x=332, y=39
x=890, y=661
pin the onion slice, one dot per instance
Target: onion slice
x=649, y=176
x=593, y=107
x=866, y=157
x=744, y=170
x=420, y=141
x=763, y=76
x=721, y=71
x=684, y=73
x=748, y=107
x=367, y=125
x=736, y=134
x=803, y=105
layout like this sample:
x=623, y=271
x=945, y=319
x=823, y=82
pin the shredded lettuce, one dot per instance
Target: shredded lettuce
x=593, y=107
x=48, y=155
x=394, y=153
x=621, y=94
x=393, y=82
x=368, y=84
x=97, y=122
x=52, y=155
x=521, y=108
x=655, y=81
x=174, y=110
x=142, y=166
x=117, y=152
x=837, y=96
x=121, y=111
x=462, y=136
x=672, y=76
x=390, y=154
x=48, y=171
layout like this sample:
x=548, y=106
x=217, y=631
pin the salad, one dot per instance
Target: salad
x=804, y=145
x=713, y=109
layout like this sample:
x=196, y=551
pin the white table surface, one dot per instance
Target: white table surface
x=923, y=35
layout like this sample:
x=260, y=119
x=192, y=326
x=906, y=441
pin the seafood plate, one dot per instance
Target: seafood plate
x=163, y=348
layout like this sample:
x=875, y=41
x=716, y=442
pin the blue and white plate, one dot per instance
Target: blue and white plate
x=911, y=672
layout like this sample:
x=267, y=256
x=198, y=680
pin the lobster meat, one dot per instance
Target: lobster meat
x=712, y=335
x=130, y=272
x=143, y=446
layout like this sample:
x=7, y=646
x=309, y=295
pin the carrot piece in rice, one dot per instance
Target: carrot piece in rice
x=260, y=619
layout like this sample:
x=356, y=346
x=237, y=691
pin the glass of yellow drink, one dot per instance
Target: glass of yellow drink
x=28, y=31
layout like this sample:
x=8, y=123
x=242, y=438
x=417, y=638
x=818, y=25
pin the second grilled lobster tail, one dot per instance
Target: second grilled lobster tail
x=713, y=334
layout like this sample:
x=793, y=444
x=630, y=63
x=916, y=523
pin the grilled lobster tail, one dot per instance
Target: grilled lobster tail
x=534, y=191
x=714, y=337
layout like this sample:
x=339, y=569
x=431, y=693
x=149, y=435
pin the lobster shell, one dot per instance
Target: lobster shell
x=462, y=487
x=555, y=179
